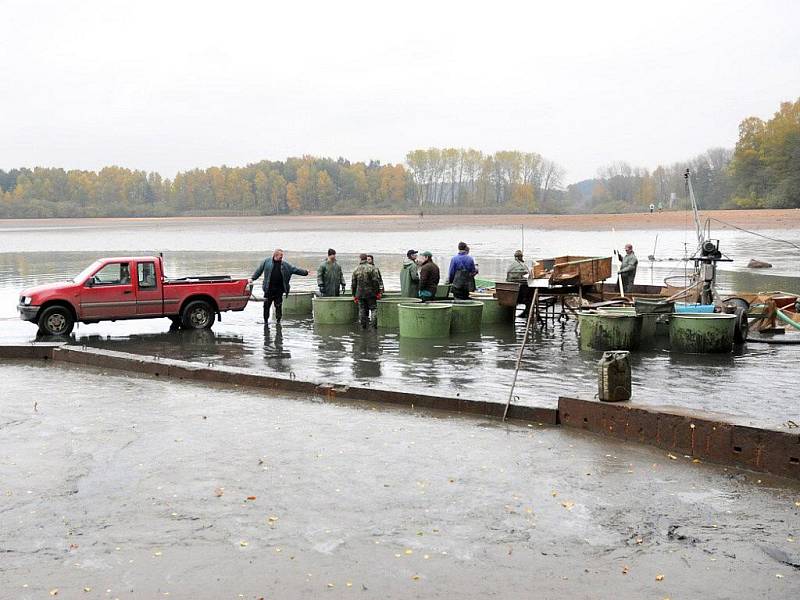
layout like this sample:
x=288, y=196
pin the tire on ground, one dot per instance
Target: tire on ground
x=56, y=320
x=198, y=314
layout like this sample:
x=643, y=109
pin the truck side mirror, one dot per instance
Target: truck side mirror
x=89, y=282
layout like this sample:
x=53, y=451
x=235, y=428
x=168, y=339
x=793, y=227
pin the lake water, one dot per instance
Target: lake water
x=756, y=381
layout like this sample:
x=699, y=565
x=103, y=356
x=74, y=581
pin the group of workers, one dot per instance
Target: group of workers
x=419, y=278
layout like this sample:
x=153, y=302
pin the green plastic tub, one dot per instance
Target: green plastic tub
x=388, y=317
x=466, y=316
x=424, y=320
x=334, y=310
x=609, y=331
x=649, y=331
x=298, y=303
x=701, y=333
x=493, y=312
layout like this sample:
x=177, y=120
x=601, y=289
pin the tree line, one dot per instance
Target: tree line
x=763, y=170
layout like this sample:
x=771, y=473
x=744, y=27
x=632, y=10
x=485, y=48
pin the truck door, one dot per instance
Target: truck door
x=108, y=294
x=149, y=299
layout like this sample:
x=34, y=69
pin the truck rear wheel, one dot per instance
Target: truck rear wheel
x=197, y=315
x=56, y=320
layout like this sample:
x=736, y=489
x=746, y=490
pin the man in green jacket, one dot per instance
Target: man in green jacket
x=366, y=287
x=409, y=276
x=330, y=278
x=518, y=271
x=627, y=268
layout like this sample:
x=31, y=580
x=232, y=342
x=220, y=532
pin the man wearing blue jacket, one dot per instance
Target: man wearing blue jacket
x=461, y=273
x=277, y=274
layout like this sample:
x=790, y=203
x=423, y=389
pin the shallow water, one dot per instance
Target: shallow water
x=756, y=381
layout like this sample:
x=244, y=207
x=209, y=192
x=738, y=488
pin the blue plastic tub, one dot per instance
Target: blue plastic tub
x=681, y=307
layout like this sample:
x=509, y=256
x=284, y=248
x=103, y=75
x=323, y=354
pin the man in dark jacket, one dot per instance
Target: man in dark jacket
x=330, y=278
x=277, y=274
x=428, y=277
x=366, y=285
x=462, y=272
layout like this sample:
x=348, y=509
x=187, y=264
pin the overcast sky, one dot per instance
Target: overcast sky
x=170, y=85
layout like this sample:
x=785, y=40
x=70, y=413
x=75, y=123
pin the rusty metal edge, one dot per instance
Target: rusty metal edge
x=707, y=437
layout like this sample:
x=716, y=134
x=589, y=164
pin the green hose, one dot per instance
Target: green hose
x=788, y=320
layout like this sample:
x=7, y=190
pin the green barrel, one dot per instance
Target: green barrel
x=388, y=317
x=609, y=331
x=334, y=310
x=494, y=312
x=424, y=320
x=466, y=316
x=298, y=303
x=648, y=333
x=699, y=333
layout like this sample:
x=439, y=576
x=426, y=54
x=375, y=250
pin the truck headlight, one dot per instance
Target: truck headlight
x=26, y=300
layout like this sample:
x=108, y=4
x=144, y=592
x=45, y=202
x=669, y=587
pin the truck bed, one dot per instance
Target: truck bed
x=197, y=279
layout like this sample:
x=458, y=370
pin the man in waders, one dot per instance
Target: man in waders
x=277, y=274
x=627, y=267
x=461, y=272
x=366, y=288
x=330, y=279
x=428, y=277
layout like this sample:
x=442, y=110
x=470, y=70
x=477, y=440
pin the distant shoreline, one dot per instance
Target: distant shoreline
x=779, y=219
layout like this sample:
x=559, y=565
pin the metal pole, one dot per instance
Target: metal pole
x=534, y=308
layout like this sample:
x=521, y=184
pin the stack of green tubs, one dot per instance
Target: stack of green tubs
x=298, y=303
x=334, y=310
x=388, y=316
x=699, y=333
x=494, y=312
x=466, y=316
x=424, y=320
x=610, y=330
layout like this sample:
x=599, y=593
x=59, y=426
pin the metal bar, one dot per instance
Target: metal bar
x=534, y=309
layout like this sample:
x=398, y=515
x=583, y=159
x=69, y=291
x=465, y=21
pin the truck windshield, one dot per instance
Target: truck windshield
x=86, y=272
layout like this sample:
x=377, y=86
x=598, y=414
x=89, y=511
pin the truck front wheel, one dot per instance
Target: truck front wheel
x=197, y=315
x=56, y=320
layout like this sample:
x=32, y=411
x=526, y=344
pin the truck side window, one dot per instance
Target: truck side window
x=113, y=274
x=146, y=275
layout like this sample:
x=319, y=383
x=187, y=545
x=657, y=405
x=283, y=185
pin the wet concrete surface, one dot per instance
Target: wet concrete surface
x=134, y=487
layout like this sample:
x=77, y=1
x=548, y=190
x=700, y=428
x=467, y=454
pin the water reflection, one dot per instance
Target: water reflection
x=752, y=381
x=366, y=355
x=275, y=355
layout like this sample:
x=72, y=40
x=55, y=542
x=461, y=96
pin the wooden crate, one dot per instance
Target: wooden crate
x=583, y=270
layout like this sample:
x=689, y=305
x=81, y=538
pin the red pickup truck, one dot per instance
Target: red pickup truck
x=131, y=288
